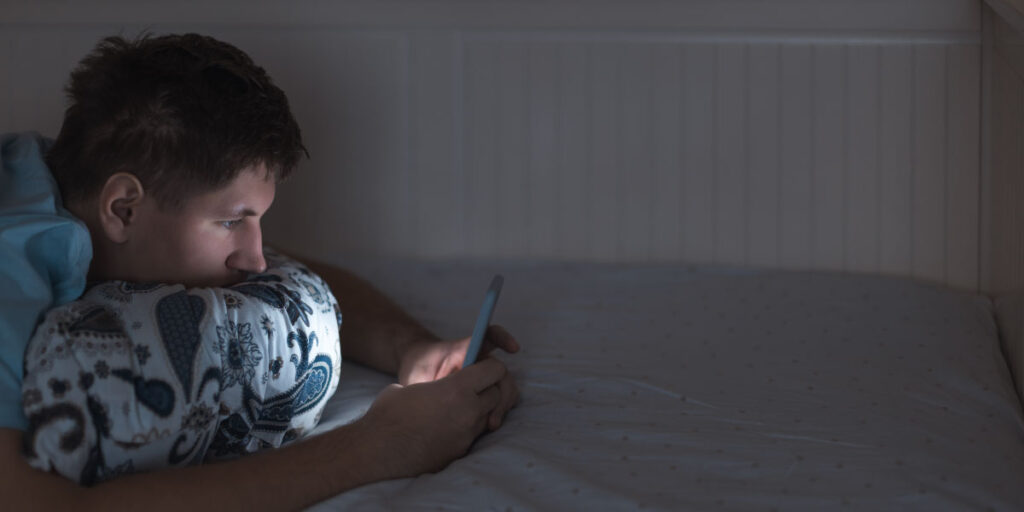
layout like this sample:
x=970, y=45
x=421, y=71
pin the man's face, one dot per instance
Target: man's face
x=214, y=240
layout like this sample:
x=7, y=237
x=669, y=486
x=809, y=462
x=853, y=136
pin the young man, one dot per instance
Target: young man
x=168, y=157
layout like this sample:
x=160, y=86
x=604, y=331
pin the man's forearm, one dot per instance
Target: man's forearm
x=285, y=479
x=374, y=331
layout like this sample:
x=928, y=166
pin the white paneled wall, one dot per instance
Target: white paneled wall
x=768, y=153
x=813, y=154
x=811, y=140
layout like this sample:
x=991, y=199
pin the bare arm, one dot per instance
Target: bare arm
x=408, y=431
x=375, y=331
x=274, y=480
x=378, y=333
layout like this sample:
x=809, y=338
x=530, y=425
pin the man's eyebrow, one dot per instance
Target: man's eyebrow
x=240, y=212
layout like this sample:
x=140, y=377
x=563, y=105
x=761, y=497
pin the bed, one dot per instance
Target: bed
x=761, y=254
x=666, y=387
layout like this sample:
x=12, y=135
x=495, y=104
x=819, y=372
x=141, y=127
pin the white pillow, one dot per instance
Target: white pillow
x=135, y=377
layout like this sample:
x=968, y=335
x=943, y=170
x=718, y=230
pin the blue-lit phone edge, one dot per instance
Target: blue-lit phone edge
x=483, y=320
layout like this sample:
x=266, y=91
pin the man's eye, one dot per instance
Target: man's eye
x=229, y=224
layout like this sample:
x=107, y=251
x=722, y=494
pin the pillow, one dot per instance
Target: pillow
x=136, y=377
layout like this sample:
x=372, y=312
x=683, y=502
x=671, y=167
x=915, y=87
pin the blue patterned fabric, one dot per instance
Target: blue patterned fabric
x=44, y=258
x=135, y=377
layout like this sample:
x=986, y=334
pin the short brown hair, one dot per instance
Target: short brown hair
x=183, y=113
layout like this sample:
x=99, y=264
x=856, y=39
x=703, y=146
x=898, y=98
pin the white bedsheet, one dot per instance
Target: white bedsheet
x=689, y=388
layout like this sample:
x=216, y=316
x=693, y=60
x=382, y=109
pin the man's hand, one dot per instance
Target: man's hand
x=427, y=425
x=427, y=361
x=379, y=334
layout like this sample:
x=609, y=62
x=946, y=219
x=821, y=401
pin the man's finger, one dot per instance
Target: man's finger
x=482, y=375
x=509, y=398
x=498, y=337
x=490, y=398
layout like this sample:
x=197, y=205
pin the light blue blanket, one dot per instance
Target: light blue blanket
x=44, y=258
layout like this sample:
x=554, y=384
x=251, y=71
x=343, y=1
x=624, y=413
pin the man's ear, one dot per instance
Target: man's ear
x=119, y=203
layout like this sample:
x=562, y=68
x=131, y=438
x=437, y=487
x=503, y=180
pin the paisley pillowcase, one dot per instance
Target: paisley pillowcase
x=132, y=378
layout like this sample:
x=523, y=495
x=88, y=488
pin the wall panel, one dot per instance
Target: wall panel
x=825, y=154
x=896, y=160
x=837, y=139
x=763, y=154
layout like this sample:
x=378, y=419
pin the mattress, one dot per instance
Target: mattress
x=658, y=387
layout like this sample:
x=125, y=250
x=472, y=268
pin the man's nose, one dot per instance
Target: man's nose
x=249, y=256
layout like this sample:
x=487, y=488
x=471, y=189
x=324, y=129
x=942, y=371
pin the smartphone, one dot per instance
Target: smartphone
x=483, y=320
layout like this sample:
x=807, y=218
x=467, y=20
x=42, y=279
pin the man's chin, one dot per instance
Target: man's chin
x=220, y=281
x=216, y=282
